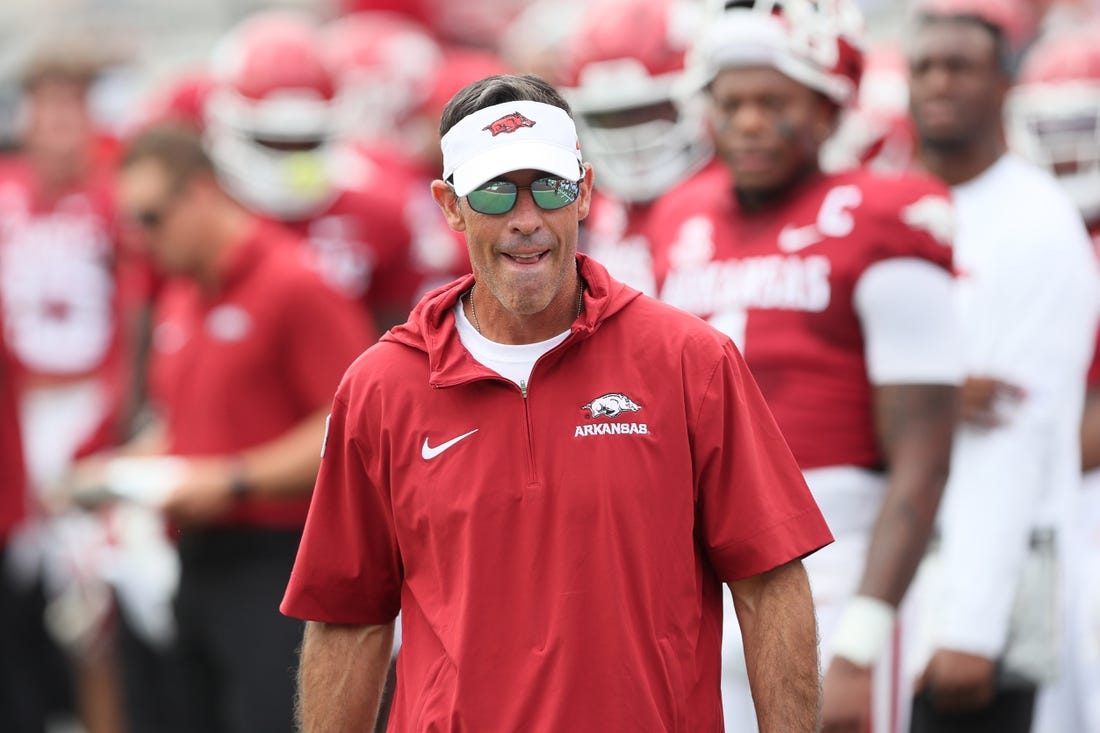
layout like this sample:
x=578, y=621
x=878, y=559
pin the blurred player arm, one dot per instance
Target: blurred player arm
x=283, y=467
x=341, y=675
x=913, y=355
x=198, y=489
x=86, y=483
x=914, y=359
x=287, y=465
x=915, y=424
x=776, y=615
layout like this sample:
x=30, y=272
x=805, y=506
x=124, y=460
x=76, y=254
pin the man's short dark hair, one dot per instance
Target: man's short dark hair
x=497, y=90
x=1006, y=57
x=67, y=61
x=178, y=149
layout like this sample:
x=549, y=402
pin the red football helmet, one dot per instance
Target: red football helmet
x=384, y=65
x=623, y=75
x=815, y=42
x=1053, y=113
x=271, y=118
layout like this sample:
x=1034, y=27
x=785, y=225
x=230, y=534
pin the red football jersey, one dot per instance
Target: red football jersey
x=236, y=369
x=781, y=283
x=58, y=268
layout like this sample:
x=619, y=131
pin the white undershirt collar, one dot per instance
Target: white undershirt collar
x=511, y=361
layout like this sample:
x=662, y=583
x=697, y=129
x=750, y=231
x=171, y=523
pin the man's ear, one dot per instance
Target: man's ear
x=445, y=197
x=584, y=200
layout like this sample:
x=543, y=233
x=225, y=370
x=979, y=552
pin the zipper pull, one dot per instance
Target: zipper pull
x=523, y=388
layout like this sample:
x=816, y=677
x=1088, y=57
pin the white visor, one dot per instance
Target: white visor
x=509, y=137
x=742, y=38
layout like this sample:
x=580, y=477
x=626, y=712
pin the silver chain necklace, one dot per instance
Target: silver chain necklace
x=473, y=305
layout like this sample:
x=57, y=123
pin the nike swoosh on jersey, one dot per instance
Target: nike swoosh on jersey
x=428, y=452
x=793, y=239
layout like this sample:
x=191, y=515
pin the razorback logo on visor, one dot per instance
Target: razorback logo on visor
x=509, y=123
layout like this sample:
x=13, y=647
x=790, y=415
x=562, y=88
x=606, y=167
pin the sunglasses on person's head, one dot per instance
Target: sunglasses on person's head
x=498, y=197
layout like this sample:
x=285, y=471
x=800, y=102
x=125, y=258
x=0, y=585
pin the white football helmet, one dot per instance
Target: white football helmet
x=271, y=118
x=815, y=42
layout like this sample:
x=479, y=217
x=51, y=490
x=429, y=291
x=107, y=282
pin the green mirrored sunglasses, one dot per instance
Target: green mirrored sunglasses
x=498, y=197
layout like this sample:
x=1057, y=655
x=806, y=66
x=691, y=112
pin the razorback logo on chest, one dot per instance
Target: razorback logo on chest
x=509, y=123
x=611, y=405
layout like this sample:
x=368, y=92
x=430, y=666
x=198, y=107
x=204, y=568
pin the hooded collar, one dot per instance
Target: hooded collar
x=431, y=326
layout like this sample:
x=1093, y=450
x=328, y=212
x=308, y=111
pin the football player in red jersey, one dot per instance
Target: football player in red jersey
x=272, y=128
x=621, y=75
x=59, y=264
x=63, y=296
x=837, y=287
x=1053, y=119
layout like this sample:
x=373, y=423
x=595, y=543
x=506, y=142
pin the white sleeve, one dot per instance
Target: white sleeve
x=910, y=331
x=1038, y=321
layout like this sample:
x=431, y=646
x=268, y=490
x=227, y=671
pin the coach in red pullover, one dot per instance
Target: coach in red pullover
x=549, y=475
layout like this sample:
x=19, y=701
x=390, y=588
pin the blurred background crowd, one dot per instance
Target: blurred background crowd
x=147, y=144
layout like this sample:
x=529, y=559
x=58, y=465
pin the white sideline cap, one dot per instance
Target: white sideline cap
x=509, y=137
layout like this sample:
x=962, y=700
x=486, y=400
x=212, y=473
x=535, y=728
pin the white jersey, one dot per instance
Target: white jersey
x=1028, y=299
